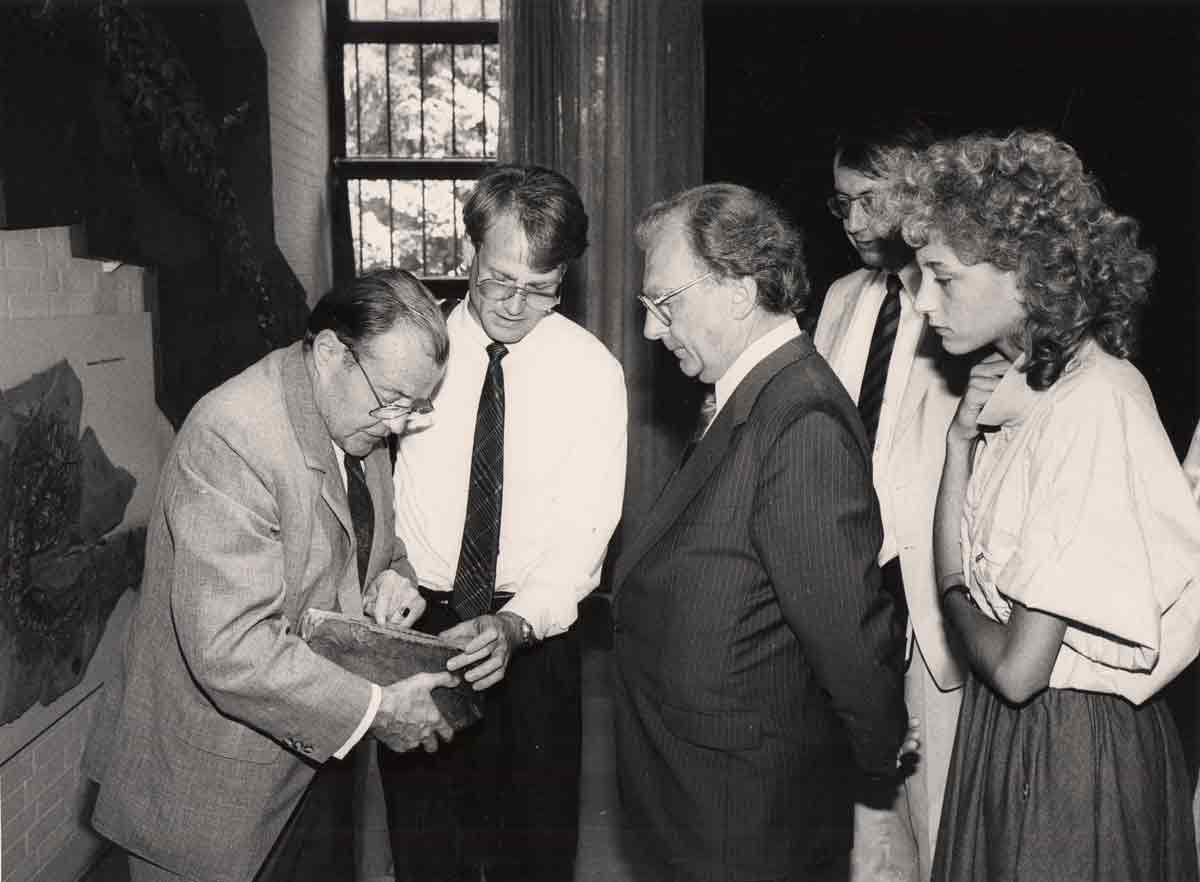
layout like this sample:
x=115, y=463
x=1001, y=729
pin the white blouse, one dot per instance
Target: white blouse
x=1078, y=507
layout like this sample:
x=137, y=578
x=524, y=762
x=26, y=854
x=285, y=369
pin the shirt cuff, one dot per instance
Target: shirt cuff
x=364, y=724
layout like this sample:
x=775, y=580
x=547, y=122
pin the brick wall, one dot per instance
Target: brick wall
x=292, y=33
x=39, y=278
x=44, y=804
x=43, y=828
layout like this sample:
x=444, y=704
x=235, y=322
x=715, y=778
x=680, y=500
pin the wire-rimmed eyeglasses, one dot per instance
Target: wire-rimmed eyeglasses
x=654, y=304
x=395, y=409
x=841, y=204
x=498, y=291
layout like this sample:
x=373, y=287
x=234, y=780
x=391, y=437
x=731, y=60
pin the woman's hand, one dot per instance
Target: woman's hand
x=985, y=376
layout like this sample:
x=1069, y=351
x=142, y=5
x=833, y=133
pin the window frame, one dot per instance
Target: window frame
x=341, y=32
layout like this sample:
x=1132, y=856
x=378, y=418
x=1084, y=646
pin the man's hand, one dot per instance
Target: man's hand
x=407, y=716
x=491, y=640
x=908, y=755
x=393, y=599
x=985, y=376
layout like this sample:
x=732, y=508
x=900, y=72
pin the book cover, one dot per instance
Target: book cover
x=386, y=653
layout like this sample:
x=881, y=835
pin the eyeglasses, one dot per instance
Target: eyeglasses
x=840, y=205
x=395, y=410
x=654, y=305
x=497, y=291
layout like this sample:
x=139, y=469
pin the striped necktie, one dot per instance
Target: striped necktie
x=708, y=410
x=475, y=580
x=883, y=338
x=362, y=513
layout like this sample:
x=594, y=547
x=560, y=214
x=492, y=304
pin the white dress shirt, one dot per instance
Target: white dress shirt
x=565, y=429
x=748, y=361
x=850, y=372
x=1077, y=507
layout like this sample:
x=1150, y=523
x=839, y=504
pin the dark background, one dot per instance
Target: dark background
x=1118, y=83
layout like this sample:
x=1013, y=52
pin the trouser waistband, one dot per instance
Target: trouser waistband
x=442, y=598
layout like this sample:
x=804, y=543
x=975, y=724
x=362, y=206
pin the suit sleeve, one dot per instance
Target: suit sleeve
x=228, y=601
x=816, y=528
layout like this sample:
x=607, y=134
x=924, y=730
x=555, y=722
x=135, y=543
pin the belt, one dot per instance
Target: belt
x=442, y=598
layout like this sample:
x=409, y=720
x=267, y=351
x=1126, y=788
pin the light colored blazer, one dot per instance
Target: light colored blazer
x=211, y=731
x=935, y=385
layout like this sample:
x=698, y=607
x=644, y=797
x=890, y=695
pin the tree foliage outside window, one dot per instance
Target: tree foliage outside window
x=416, y=123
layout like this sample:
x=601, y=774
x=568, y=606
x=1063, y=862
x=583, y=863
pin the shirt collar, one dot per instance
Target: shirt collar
x=1011, y=400
x=910, y=281
x=478, y=338
x=751, y=356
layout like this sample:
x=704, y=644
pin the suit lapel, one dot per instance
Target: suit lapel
x=711, y=449
x=924, y=368
x=317, y=448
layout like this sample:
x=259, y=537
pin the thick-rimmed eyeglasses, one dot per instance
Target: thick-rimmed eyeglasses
x=840, y=204
x=498, y=291
x=654, y=305
x=395, y=409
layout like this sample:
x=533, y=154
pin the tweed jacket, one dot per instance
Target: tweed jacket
x=211, y=730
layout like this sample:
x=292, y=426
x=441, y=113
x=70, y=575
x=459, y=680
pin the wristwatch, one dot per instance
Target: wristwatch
x=527, y=637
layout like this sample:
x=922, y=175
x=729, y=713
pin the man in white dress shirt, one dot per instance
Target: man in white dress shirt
x=504, y=552
x=905, y=386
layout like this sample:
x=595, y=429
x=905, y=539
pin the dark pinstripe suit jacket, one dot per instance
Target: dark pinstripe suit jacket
x=758, y=670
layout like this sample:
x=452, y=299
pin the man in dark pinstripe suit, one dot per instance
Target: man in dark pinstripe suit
x=759, y=672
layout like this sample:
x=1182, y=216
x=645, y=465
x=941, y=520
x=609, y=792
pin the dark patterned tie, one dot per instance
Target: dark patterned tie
x=475, y=580
x=362, y=513
x=708, y=409
x=883, y=338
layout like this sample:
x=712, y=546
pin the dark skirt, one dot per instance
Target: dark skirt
x=1071, y=785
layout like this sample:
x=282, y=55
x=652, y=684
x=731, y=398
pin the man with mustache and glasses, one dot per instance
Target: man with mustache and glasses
x=506, y=502
x=906, y=389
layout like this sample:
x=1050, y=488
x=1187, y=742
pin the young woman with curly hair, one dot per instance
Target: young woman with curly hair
x=1067, y=543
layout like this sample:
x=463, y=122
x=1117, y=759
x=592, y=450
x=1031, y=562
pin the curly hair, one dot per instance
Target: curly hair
x=1025, y=204
x=738, y=232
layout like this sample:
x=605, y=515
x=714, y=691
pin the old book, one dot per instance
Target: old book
x=386, y=653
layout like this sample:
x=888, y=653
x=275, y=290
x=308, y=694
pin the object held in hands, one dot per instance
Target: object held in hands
x=387, y=653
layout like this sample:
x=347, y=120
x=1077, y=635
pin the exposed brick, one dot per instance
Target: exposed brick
x=51, y=282
x=81, y=277
x=15, y=772
x=52, y=844
x=16, y=861
x=48, y=757
x=26, y=306
x=47, y=824
x=24, y=255
x=19, y=281
x=54, y=793
x=28, y=235
x=72, y=304
x=13, y=801
x=57, y=241
x=17, y=824
x=107, y=300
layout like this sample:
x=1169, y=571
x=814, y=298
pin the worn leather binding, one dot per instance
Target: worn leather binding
x=384, y=654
